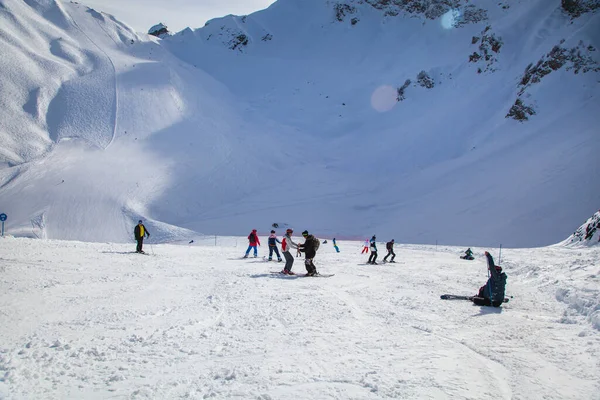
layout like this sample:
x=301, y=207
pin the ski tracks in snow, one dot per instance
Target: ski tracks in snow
x=188, y=323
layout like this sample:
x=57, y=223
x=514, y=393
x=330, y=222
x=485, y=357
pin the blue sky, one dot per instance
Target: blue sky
x=176, y=14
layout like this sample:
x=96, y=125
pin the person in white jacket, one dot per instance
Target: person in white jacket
x=286, y=245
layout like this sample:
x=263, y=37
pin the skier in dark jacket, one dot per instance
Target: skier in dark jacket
x=492, y=293
x=390, y=248
x=139, y=232
x=309, y=248
x=468, y=255
x=373, y=255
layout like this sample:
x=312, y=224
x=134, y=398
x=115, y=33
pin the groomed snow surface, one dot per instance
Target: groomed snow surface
x=97, y=321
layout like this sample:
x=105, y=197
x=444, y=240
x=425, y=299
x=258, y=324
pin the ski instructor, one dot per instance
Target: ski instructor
x=139, y=232
x=309, y=248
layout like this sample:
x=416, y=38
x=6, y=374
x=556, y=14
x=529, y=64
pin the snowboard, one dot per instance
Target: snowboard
x=457, y=297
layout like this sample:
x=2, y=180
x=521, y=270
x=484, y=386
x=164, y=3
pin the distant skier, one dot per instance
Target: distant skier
x=253, y=242
x=335, y=246
x=390, y=248
x=365, y=247
x=468, y=255
x=309, y=248
x=373, y=256
x=273, y=246
x=287, y=244
x=139, y=232
x=492, y=293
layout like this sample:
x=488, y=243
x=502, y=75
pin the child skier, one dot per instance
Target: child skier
x=365, y=247
x=253, y=242
x=492, y=293
x=286, y=245
x=273, y=246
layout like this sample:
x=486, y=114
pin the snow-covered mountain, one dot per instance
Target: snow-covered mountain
x=470, y=124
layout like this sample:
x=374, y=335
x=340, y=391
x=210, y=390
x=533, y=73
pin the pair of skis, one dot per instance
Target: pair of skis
x=303, y=275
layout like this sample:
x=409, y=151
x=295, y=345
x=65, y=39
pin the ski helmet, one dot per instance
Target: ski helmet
x=289, y=230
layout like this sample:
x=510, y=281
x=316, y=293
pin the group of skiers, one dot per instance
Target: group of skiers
x=490, y=294
x=372, y=246
x=309, y=248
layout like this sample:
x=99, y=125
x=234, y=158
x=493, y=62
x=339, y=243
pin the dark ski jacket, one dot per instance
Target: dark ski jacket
x=273, y=240
x=140, y=231
x=496, y=283
x=310, y=246
x=389, y=245
x=468, y=253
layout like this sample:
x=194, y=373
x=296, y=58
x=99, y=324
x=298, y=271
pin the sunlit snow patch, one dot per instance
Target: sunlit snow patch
x=384, y=98
x=450, y=19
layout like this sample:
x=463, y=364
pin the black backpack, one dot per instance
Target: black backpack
x=252, y=237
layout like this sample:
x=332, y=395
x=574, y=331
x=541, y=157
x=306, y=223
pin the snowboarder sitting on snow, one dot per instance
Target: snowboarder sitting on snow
x=390, y=248
x=309, y=248
x=468, y=255
x=286, y=245
x=273, y=246
x=492, y=293
x=253, y=242
x=139, y=232
x=373, y=255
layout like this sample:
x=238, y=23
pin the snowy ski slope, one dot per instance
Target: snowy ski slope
x=95, y=321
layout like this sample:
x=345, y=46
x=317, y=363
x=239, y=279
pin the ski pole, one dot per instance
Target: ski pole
x=500, y=254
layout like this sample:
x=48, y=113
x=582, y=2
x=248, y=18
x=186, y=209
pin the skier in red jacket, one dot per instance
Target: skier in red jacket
x=253, y=242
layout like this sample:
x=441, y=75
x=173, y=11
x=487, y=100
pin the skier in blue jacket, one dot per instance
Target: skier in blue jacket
x=373, y=256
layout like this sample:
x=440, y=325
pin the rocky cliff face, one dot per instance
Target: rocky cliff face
x=588, y=234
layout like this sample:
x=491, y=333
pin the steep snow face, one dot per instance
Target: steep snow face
x=587, y=234
x=122, y=125
x=427, y=108
x=466, y=124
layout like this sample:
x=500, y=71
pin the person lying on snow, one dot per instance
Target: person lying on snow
x=468, y=255
x=492, y=293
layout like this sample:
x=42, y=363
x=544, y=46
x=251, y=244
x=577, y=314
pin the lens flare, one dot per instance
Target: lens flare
x=450, y=19
x=384, y=98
